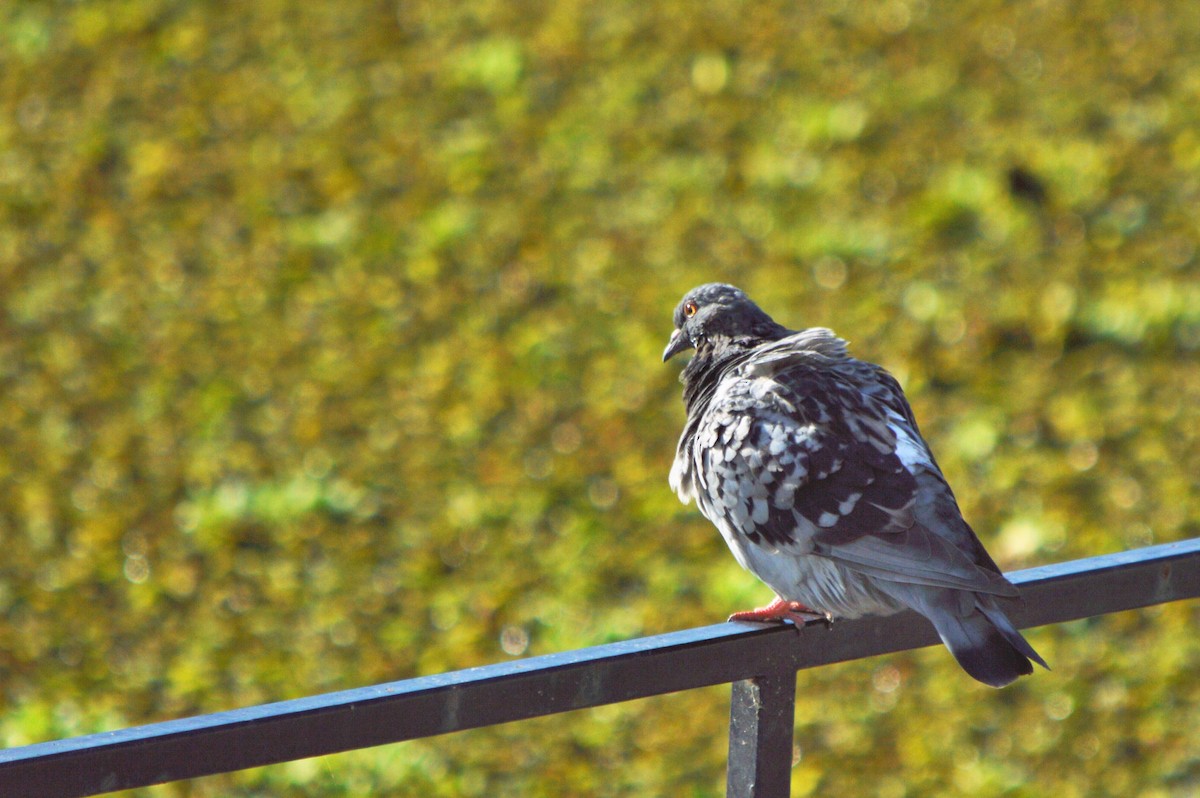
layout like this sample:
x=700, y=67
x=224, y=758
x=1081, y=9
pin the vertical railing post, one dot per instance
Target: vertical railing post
x=761, y=717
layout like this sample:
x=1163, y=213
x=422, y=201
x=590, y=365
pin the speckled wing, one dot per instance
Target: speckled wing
x=801, y=453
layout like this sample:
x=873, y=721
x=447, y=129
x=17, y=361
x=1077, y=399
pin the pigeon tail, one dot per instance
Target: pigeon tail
x=976, y=630
x=986, y=645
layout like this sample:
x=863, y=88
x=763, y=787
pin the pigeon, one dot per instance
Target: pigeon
x=811, y=465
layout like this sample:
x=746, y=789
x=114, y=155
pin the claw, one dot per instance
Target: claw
x=781, y=610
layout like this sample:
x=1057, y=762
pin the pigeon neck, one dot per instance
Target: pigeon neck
x=706, y=368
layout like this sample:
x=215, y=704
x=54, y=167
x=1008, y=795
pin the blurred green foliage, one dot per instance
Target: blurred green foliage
x=329, y=355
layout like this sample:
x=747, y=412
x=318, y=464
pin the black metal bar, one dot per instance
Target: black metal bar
x=761, y=719
x=722, y=653
x=363, y=717
x=1094, y=586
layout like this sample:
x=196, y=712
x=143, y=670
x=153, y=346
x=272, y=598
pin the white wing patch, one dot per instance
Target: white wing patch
x=910, y=450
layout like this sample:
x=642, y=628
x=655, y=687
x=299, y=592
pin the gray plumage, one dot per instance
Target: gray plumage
x=812, y=467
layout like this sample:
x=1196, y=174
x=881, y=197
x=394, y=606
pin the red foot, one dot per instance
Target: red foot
x=780, y=610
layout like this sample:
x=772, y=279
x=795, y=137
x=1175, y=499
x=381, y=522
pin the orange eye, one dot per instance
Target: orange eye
x=689, y=309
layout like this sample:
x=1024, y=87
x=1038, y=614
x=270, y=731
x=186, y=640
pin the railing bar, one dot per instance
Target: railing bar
x=721, y=653
x=1103, y=563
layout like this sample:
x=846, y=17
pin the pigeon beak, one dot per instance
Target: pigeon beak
x=678, y=343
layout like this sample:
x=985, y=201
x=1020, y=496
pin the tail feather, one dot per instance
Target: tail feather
x=1006, y=628
x=977, y=632
x=994, y=653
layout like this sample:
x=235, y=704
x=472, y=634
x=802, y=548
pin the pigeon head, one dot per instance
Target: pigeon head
x=717, y=314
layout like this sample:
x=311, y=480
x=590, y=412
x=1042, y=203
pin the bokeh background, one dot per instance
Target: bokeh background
x=330, y=338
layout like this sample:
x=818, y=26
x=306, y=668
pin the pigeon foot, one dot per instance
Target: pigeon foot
x=780, y=610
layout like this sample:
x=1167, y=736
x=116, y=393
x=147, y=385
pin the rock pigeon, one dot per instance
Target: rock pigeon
x=811, y=465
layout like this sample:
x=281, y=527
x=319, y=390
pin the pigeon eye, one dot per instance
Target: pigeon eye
x=689, y=309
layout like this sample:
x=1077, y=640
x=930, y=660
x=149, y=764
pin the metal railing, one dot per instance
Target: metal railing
x=759, y=660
